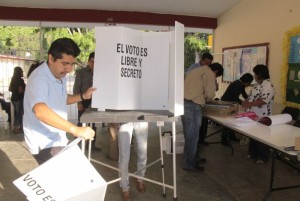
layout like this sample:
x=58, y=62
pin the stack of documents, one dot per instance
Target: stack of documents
x=241, y=122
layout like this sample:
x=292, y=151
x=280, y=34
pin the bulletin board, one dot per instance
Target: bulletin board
x=239, y=60
x=291, y=67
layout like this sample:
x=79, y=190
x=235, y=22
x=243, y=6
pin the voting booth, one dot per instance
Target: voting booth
x=134, y=70
x=139, y=77
x=68, y=176
x=137, y=70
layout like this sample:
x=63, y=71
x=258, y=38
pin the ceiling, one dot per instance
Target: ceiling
x=203, y=8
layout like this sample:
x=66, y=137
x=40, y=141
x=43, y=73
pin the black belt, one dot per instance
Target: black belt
x=186, y=100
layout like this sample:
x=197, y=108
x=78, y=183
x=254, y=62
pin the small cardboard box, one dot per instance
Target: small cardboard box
x=297, y=143
x=179, y=144
x=220, y=108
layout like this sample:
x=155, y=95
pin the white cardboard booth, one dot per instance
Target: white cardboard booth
x=137, y=70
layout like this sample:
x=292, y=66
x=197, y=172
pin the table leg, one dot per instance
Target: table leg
x=272, y=175
x=160, y=124
x=174, y=160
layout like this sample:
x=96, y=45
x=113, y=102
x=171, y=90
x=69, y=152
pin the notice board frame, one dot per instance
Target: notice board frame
x=238, y=60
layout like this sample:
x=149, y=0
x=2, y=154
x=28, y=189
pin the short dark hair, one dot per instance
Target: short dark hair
x=207, y=55
x=92, y=55
x=63, y=46
x=33, y=67
x=217, y=67
x=247, y=78
x=261, y=71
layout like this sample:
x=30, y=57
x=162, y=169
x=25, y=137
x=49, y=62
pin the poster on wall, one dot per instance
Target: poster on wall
x=241, y=59
x=137, y=70
x=293, y=77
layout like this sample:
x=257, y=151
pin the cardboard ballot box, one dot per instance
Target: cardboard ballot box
x=220, y=108
x=68, y=176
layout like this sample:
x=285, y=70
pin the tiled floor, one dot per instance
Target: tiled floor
x=226, y=177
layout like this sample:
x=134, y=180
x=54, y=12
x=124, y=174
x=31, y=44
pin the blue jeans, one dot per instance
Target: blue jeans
x=18, y=112
x=192, y=122
x=141, y=135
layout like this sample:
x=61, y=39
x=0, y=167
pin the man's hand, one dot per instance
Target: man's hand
x=84, y=132
x=88, y=93
x=246, y=104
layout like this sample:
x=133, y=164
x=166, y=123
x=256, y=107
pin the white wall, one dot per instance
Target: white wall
x=260, y=21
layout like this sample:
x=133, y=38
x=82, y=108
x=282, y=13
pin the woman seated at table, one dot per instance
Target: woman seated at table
x=260, y=101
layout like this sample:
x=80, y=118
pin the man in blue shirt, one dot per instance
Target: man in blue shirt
x=206, y=59
x=45, y=103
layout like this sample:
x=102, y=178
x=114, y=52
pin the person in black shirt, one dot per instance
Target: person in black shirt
x=232, y=93
x=236, y=88
x=83, y=81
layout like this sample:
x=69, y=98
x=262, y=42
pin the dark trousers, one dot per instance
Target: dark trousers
x=202, y=136
x=203, y=130
x=227, y=135
x=46, y=154
x=18, y=112
x=258, y=150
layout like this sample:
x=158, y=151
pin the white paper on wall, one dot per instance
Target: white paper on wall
x=135, y=70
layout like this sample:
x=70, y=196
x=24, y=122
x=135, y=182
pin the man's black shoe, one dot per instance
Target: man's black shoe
x=225, y=143
x=204, y=143
x=201, y=161
x=96, y=148
x=195, y=169
x=234, y=139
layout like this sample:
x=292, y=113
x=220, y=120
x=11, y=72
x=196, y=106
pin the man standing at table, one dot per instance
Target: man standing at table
x=199, y=87
x=206, y=59
x=83, y=81
x=45, y=103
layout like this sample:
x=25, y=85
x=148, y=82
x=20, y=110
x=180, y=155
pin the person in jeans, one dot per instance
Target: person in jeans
x=199, y=87
x=17, y=88
x=126, y=130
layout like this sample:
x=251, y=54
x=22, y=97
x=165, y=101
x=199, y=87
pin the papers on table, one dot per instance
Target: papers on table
x=268, y=121
x=275, y=119
x=241, y=122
